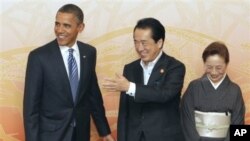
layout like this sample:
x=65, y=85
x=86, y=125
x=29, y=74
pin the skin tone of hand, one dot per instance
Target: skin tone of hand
x=108, y=138
x=120, y=83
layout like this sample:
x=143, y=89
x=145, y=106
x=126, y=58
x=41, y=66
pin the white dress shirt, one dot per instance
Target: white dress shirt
x=65, y=54
x=147, y=70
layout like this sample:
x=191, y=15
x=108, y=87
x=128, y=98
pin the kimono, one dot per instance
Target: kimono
x=202, y=96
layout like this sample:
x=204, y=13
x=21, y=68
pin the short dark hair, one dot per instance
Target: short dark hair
x=214, y=48
x=158, y=30
x=71, y=8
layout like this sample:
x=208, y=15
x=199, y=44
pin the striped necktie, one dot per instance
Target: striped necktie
x=73, y=74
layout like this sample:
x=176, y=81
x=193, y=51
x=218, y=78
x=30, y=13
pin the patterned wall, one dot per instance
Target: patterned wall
x=190, y=26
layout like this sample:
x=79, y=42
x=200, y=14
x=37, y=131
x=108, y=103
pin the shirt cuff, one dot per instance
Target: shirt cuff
x=131, y=89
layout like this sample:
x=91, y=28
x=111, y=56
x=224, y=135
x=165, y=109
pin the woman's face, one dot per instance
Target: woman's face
x=215, y=68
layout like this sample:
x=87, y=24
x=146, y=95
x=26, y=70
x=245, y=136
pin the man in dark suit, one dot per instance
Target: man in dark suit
x=150, y=89
x=61, y=89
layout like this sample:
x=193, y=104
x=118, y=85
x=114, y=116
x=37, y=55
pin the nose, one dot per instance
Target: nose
x=59, y=29
x=214, y=72
x=140, y=47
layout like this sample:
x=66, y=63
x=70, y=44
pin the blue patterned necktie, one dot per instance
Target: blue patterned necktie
x=73, y=74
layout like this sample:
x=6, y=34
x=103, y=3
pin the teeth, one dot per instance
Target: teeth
x=61, y=36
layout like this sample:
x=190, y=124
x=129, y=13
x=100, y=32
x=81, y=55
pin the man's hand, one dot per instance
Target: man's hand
x=108, y=138
x=120, y=83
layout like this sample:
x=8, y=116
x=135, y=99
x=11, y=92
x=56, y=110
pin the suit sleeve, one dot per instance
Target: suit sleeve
x=122, y=115
x=167, y=90
x=98, y=110
x=187, y=116
x=32, y=92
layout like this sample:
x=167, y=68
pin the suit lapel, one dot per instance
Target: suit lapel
x=83, y=70
x=57, y=60
x=159, y=69
x=138, y=74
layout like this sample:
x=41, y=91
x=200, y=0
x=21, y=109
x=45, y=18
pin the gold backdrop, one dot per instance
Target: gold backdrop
x=190, y=26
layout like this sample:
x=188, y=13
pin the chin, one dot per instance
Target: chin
x=144, y=59
x=62, y=44
x=216, y=80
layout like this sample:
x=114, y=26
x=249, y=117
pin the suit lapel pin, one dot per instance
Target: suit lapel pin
x=161, y=71
x=84, y=56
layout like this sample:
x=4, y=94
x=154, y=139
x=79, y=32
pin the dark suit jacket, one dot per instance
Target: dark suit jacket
x=155, y=108
x=49, y=109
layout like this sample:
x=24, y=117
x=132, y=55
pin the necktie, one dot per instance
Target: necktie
x=73, y=74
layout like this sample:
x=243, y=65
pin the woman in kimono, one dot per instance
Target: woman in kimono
x=213, y=102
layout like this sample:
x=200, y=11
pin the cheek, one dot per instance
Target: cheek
x=55, y=29
x=136, y=49
x=151, y=51
x=223, y=71
x=208, y=72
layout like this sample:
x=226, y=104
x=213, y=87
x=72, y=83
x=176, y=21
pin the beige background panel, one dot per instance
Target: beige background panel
x=190, y=26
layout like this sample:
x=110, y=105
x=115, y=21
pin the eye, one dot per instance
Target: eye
x=67, y=25
x=136, y=43
x=144, y=43
x=209, y=67
x=56, y=24
x=219, y=68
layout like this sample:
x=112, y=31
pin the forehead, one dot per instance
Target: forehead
x=215, y=59
x=62, y=16
x=142, y=34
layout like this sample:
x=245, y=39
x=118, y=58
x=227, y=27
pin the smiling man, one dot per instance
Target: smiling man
x=61, y=89
x=150, y=89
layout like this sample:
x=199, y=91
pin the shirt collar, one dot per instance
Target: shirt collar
x=65, y=49
x=152, y=63
x=216, y=85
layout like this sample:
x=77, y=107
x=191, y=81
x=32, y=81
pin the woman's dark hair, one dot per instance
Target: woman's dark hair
x=216, y=48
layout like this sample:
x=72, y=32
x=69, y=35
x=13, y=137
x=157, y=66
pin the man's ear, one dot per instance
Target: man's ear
x=81, y=27
x=160, y=43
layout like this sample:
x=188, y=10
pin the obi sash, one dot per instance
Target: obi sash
x=212, y=124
